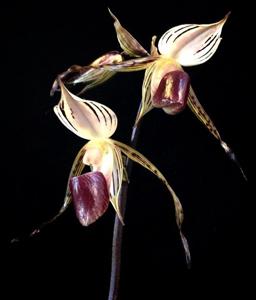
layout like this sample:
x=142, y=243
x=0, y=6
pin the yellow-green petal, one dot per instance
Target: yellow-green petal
x=142, y=160
x=198, y=110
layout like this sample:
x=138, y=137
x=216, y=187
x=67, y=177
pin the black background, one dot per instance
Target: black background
x=43, y=40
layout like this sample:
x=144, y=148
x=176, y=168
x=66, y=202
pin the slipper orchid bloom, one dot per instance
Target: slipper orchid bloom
x=91, y=192
x=166, y=85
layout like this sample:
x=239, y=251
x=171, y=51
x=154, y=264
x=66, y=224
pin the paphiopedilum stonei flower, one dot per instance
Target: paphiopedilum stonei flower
x=166, y=85
x=91, y=192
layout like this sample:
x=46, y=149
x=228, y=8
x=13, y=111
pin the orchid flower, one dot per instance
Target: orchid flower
x=166, y=85
x=91, y=192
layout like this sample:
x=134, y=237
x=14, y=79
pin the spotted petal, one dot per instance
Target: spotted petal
x=142, y=160
x=201, y=114
x=87, y=119
x=146, y=102
x=127, y=42
x=191, y=44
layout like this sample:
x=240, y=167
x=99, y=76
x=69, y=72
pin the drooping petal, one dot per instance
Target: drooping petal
x=191, y=44
x=116, y=183
x=90, y=196
x=76, y=170
x=172, y=92
x=146, y=100
x=127, y=42
x=91, y=75
x=201, y=114
x=198, y=110
x=142, y=160
x=87, y=119
x=104, y=157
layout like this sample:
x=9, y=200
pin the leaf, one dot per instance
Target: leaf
x=127, y=42
x=90, y=196
x=87, y=119
x=192, y=44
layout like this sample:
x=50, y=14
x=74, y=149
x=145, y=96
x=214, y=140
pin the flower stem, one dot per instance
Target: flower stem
x=118, y=227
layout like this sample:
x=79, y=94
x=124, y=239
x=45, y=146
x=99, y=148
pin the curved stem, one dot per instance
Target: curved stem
x=118, y=227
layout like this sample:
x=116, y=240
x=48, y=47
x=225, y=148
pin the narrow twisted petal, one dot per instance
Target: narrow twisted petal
x=90, y=196
x=76, y=170
x=192, y=44
x=127, y=42
x=198, y=110
x=87, y=119
x=116, y=182
x=146, y=101
x=103, y=156
x=142, y=160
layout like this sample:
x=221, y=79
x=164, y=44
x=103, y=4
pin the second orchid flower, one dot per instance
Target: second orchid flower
x=91, y=192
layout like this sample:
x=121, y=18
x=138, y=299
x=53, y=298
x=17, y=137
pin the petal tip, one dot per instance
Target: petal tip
x=112, y=15
x=223, y=21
